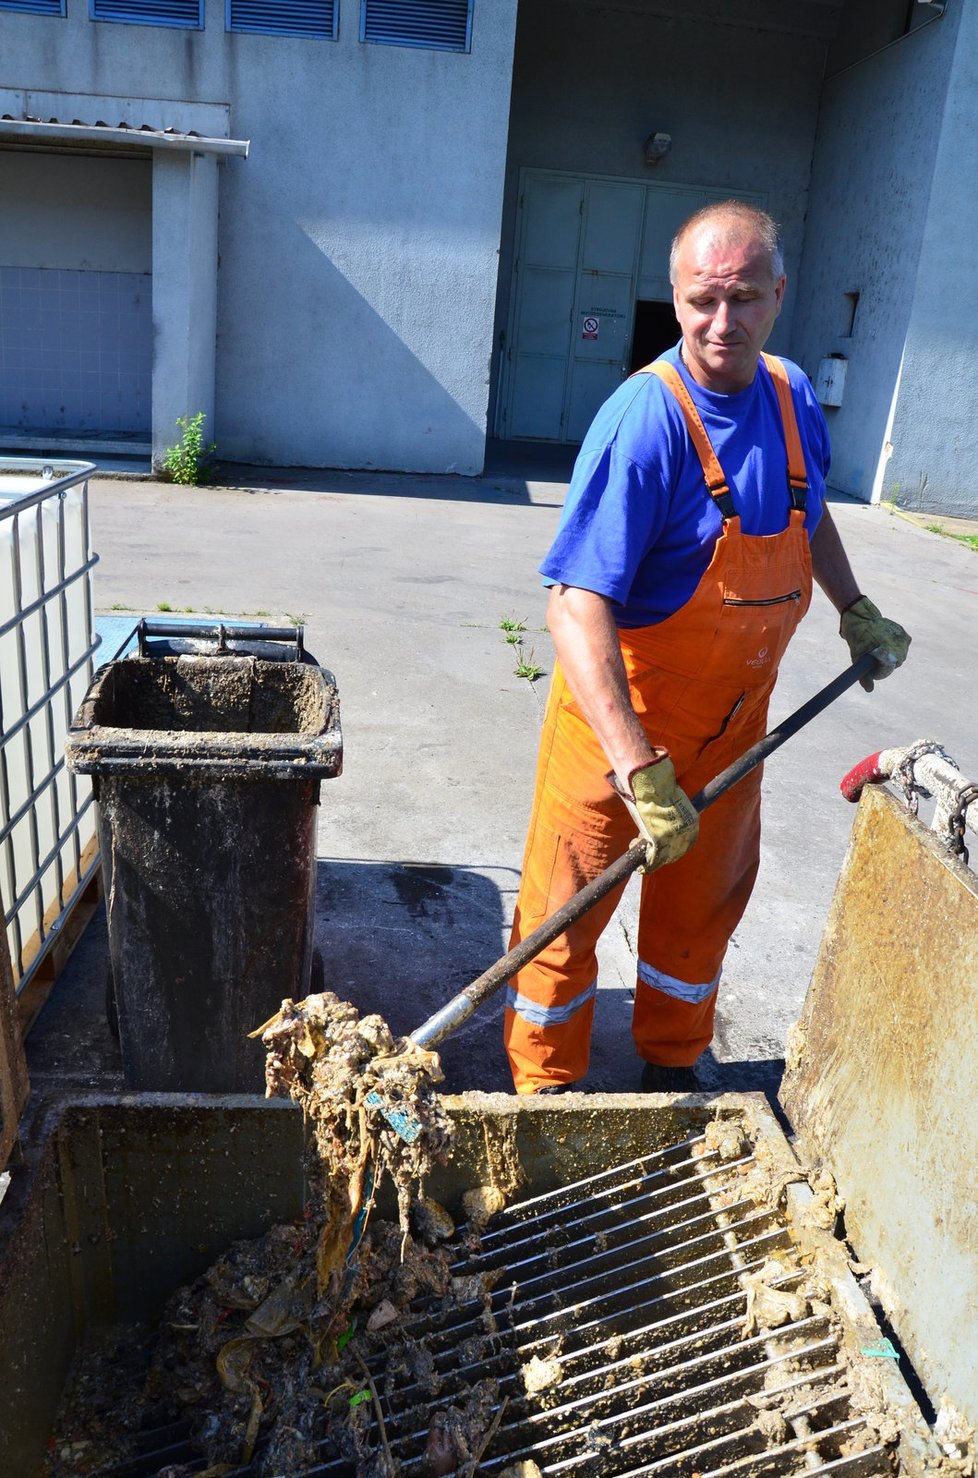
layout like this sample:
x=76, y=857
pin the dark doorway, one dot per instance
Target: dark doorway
x=655, y=329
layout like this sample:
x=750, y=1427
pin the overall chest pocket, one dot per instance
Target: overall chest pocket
x=770, y=600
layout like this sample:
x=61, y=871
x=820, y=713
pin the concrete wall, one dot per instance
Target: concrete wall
x=86, y=213
x=736, y=85
x=871, y=210
x=358, y=242
x=932, y=464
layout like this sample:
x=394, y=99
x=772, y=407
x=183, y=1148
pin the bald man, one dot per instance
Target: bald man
x=693, y=527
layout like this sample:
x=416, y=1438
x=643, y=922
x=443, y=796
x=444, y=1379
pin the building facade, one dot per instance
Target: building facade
x=374, y=233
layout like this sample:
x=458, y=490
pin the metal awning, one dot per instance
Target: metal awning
x=54, y=131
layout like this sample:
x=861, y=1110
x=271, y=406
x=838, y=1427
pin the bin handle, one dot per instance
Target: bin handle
x=218, y=632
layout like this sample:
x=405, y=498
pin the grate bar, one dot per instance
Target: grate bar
x=533, y=1205
x=627, y=1337
x=647, y=1378
x=545, y=1282
x=548, y=1252
x=649, y=1409
x=612, y=1213
x=496, y=1359
x=684, y=1174
x=145, y=1462
x=507, y=1293
x=671, y=1430
x=756, y=1463
x=521, y=1215
x=679, y=1391
x=591, y=1373
x=605, y=1301
x=684, y=1314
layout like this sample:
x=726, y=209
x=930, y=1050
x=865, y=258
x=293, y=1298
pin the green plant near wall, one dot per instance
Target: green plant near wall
x=189, y=461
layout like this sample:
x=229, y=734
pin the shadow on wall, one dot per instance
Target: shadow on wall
x=402, y=938
x=319, y=378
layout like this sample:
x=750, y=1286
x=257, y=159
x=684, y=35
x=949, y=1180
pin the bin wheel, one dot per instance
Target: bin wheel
x=111, y=1005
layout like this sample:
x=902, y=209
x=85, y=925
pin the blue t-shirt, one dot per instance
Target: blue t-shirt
x=638, y=524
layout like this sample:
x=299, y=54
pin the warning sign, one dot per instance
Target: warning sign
x=591, y=327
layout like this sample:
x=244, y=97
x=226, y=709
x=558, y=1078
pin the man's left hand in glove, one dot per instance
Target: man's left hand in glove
x=864, y=629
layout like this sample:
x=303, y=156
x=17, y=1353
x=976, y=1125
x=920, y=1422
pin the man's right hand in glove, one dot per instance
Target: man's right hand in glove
x=663, y=811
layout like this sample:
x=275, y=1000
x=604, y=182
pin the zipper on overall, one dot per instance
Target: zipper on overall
x=771, y=600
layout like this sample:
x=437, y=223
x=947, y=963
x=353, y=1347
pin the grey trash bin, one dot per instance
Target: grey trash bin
x=206, y=768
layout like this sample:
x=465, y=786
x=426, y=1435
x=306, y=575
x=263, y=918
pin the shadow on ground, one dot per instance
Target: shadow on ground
x=397, y=938
x=403, y=938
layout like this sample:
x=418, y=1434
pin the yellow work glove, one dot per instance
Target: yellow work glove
x=663, y=810
x=863, y=629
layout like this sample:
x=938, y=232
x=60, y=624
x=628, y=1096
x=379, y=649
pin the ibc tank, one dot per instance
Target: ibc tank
x=47, y=820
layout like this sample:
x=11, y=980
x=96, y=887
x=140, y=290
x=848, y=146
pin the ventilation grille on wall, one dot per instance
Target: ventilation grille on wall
x=187, y=13
x=283, y=17
x=439, y=25
x=37, y=7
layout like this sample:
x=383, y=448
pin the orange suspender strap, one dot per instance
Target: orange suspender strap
x=797, y=473
x=712, y=471
x=716, y=483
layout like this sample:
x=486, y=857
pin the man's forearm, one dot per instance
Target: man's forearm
x=830, y=564
x=586, y=639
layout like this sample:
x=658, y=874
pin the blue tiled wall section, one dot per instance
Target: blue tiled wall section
x=76, y=350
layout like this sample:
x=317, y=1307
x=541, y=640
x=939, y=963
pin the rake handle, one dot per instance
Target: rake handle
x=461, y=1007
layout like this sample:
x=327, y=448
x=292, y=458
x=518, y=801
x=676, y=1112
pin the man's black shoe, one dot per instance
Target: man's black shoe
x=552, y=1088
x=658, y=1079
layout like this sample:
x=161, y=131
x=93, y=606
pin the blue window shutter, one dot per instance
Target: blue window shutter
x=36, y=7
x=438, y=25
x=186, y=13
x=283, y=17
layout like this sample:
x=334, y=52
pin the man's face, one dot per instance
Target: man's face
x=726, y=302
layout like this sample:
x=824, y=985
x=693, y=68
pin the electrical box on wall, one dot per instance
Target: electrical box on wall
x=830, y=382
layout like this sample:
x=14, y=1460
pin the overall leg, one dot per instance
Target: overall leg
x=577, y=828
x=688, y=912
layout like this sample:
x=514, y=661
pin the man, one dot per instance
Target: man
x=682, y=565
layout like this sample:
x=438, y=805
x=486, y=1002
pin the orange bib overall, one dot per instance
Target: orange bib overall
x=700, y=681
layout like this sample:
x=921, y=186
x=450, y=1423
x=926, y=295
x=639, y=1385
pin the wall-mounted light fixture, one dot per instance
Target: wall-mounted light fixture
x=657, y=146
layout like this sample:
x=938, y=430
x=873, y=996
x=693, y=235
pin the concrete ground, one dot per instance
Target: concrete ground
x=402, y=583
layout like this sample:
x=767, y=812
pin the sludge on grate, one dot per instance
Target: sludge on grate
x=655, y=1318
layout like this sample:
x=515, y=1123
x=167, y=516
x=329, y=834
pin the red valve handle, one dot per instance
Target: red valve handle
x=867, y=772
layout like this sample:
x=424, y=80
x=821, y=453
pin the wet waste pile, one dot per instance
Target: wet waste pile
x=659, y=1316
x=262, y=1363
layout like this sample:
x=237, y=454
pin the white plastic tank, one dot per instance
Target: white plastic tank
x=47, y=638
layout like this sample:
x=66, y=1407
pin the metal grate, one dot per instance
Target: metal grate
x=635, y=1280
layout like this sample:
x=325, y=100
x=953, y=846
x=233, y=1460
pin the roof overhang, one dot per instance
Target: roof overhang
x=33, y=131
x=59, y=120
